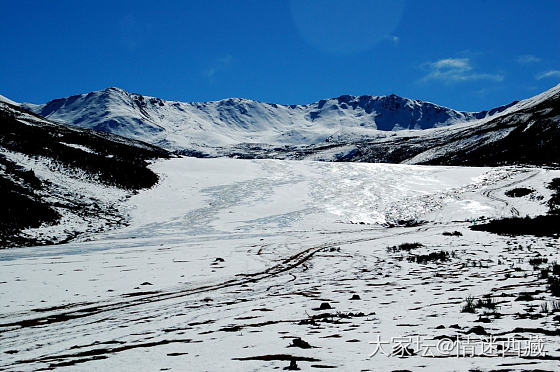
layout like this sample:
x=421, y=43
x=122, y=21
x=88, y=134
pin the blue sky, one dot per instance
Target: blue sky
x=466, y=55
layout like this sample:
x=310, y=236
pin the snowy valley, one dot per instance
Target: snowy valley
x=298, y=237
x=227, y=263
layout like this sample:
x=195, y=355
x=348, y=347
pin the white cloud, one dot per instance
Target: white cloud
x=527, y=58
x=217, y=66
x=548, y=74
x=454, y=70
x=452, y=63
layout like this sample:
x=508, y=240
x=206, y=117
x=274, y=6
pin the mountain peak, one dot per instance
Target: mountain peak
x=112, y=90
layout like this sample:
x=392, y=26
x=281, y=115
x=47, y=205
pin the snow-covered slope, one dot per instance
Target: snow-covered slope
x=180, y=125
x=7, y=100
x=526, y=132
x=58, y=181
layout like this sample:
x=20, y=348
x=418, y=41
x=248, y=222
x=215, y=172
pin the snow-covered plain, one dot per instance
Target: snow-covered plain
x=228, y=259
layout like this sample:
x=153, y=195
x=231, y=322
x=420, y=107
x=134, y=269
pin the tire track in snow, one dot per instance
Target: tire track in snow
x=50, y=323
x=286, y=264
x=489, y=193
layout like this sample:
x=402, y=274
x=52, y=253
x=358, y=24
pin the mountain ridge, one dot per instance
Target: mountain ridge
x=178, y=125
x=344, y=128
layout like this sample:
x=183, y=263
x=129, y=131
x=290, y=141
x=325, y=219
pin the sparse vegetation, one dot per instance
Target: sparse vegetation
x=537, y=261
x=407, y=247
x=552, y=274
x=547, y=225
x=518, y=192
x=554, y=202
x=430, y=257
x=472, y=304
x=487, y=303
x=452, y=233
x=21, y=209
x=111, y=161
x=469, y=305
x=555, y=268
x=554, y=285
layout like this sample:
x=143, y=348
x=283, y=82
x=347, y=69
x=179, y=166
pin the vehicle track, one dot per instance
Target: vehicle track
x=489, y=193
x=10, y=331
x=10, y=328
x=80, y=311
x=76, y=311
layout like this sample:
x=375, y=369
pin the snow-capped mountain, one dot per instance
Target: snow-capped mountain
x=199, y=125
x=360, y=129
x=527, y=132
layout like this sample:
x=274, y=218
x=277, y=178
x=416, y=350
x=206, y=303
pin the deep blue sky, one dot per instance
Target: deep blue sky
x=468, y=55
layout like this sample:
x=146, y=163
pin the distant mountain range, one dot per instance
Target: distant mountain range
x=202, y=125
x=347, y=128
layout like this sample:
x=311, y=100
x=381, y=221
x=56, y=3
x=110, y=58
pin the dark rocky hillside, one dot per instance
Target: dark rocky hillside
x=534, y=139
x=99, y=157
x=21, y=206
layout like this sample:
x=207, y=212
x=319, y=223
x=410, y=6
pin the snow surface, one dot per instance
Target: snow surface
x=225, y=258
